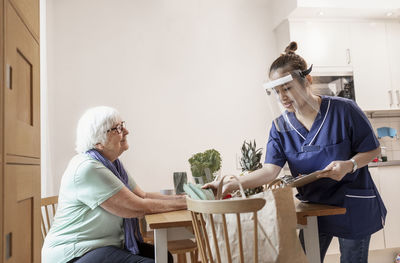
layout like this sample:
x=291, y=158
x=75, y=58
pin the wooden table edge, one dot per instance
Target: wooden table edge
x=310, y=209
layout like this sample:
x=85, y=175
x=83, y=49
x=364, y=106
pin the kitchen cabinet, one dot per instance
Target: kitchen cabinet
x=323, y=44
x=366, y=49
x=393, y=44
x=369, y=55
x=389, y=183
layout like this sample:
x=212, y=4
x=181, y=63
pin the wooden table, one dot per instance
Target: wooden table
x=175, y=226
x=169, y=226
x=307, y=220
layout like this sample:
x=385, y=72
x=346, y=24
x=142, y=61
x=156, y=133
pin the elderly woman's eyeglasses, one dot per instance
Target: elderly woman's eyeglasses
x=119, y=128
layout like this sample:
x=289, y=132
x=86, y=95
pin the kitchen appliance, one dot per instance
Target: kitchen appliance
x=341, y=86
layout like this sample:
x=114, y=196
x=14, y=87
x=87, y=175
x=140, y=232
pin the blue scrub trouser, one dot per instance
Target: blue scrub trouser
x=351, y=250
x=112, y=254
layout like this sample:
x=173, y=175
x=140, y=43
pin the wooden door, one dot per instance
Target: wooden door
x=22, y=213
x=21, y=94
x=21, y=240
x=28, y=10
x=1, y=125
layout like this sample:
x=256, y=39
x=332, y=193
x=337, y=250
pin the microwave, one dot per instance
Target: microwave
x=341, y=86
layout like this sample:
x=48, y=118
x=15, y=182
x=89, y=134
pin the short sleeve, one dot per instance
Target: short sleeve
x=275, y=154
x=361, y=133
x=94, y=183
x=131, y=182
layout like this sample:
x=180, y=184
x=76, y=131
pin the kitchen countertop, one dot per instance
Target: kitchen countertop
x=388, y=163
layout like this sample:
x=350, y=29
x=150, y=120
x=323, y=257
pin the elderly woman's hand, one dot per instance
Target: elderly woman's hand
x=180, y=196
x=182, y=201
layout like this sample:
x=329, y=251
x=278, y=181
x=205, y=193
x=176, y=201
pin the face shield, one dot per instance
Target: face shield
x=289, y=100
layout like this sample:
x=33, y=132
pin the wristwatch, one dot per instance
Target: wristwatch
x=355, y=166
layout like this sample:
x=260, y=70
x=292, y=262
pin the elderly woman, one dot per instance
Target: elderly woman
x=99, y=202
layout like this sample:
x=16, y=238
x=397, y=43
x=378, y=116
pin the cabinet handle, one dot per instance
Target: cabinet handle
x=398, y=97
x=348, y=56
x=8, y=245
x=9, y=76
x=391, y=97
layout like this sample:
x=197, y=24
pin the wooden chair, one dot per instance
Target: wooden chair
x=177, y=247
x=202, y=208
x=47, y=216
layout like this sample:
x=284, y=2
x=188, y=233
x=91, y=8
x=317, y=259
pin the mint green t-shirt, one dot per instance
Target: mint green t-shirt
x=81, y=224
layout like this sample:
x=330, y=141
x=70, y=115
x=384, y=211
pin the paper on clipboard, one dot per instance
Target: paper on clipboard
x=306, y=179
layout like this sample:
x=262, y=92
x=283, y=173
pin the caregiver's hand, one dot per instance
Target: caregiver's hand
x=337, y=170
x=228, y=187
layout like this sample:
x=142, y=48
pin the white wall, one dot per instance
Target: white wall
x=186, y=76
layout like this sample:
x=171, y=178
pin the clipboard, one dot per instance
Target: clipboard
x=306, y=179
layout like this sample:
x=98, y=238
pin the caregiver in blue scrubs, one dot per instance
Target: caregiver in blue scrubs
x=313, y=133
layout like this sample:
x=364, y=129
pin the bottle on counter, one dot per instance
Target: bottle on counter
x=383, y=154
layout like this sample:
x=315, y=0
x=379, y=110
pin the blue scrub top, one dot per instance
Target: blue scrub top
x=345, y=132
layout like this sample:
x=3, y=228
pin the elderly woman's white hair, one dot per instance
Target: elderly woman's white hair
x=93, y=125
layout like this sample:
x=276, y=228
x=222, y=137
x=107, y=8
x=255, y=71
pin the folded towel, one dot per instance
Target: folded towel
x=386, y=131
x=196, y=192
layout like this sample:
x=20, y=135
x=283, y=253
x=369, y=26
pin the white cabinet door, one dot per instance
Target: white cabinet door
x=393, y=44
x=389, y=182
x=371, y=66
x=323, y=44
x=377, y=239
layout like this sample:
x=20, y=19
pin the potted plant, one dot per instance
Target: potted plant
x=204, y=165
x=251, y=161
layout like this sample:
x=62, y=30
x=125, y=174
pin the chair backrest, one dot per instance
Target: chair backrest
x=200, y=209
x=47, y=214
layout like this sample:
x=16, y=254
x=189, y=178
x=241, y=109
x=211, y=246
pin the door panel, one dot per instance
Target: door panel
x=1, y=123
x=22, y=207
x=22, y=120
x=29, y=10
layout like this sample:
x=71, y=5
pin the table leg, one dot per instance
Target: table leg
x=311, y=240
x=160, y=245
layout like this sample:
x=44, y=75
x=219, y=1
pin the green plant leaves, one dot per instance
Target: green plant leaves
x=251, y=161
x=209, y=159
x=251, y=156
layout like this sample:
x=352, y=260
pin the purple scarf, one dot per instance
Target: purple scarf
x=131, y=225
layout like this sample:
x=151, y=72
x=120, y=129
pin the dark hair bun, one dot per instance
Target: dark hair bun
x=291, y=48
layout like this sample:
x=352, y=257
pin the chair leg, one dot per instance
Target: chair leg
x=193, y=256
x=182, y=258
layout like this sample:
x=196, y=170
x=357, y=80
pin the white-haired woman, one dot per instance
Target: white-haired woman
x=99, y=202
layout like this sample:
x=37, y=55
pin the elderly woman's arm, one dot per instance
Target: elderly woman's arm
x=138, y=191
x=127, y=204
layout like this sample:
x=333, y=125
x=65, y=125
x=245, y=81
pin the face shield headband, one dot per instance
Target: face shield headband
x=281, y=81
